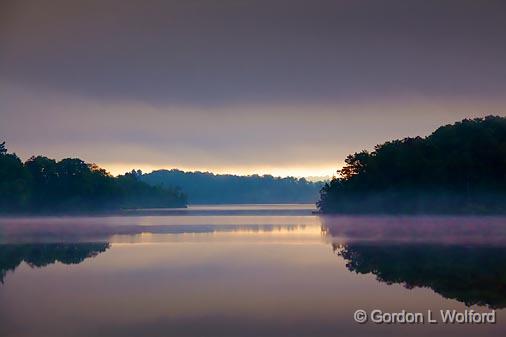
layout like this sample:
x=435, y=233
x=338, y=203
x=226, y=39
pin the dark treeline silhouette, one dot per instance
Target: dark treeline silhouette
x=45, y=185
x=470, y=274
x=205, y=187
x=460, y=168
x=43, y=254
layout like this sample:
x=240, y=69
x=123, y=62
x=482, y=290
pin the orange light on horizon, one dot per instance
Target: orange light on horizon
x=277, y=171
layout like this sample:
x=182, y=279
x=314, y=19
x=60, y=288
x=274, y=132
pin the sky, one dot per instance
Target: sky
x=247, y=87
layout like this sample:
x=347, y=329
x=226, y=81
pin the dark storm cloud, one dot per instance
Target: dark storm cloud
x=202, y=52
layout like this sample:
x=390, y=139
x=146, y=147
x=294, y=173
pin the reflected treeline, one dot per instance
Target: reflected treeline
x=94, y=229
x=40, y=255
x=469, y=274
x=461, y=258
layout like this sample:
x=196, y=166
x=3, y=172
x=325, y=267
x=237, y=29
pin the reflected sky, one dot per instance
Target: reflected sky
x=279, y=280
x=194, y=219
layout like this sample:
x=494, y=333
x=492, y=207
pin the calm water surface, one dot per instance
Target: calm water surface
x=252, y=270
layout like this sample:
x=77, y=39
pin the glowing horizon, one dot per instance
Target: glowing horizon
x=293, y=95
x=297, y=172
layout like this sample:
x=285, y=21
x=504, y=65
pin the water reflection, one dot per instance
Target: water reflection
x=473, y=275
x=41, y=255
x=98, y=228
x=244, y=276
x=46, y=245
x=459, y=258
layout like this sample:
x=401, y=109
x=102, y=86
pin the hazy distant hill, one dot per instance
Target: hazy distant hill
x=460, y=168
x=205, y=187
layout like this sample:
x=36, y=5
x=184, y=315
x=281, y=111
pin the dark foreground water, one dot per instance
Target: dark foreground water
x=247, y=271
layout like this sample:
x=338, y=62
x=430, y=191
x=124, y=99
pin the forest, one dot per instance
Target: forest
x=459, y=168
x=42, y=185
x=206, y=187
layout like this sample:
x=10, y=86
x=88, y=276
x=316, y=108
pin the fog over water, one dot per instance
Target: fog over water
x=270, y=270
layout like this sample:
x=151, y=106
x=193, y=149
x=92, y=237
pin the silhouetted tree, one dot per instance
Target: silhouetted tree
x=458, y=168
x=3, y=150
x=45, y=185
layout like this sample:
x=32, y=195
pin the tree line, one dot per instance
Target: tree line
x=41, y=184
x=206, y=187
x=459, y=168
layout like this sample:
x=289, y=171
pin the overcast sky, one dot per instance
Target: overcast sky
x=277, y=86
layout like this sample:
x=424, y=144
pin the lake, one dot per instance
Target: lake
x=247, y=270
